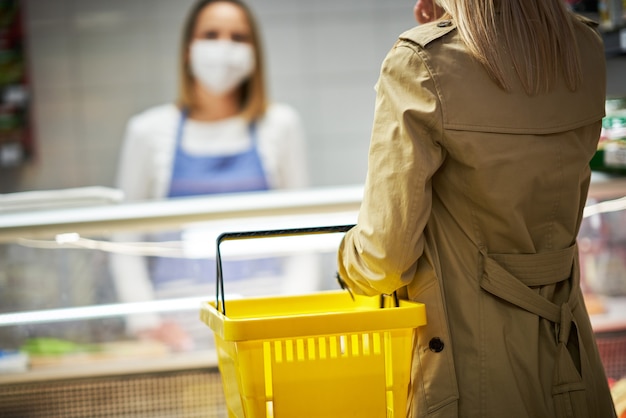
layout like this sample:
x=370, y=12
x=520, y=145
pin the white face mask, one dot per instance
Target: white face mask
x=221, y=65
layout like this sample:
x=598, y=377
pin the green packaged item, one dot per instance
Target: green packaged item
x=55, y=346
x=611, y=154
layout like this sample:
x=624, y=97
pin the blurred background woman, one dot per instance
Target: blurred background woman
x=221, y=136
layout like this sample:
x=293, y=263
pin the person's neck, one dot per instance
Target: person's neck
x=210, y=107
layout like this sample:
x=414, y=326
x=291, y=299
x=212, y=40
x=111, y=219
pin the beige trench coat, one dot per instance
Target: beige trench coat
x=472, y=205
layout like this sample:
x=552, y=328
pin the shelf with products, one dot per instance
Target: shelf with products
x=611, y=16
x=614, y=40
x=16, y=131
x=602, y=240
x=610, y=156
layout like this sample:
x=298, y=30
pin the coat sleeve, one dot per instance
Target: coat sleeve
x=379, y=255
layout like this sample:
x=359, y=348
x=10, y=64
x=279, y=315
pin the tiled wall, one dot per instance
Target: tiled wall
x=95, y=63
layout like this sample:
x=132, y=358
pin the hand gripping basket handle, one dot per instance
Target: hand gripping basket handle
x=230, y=236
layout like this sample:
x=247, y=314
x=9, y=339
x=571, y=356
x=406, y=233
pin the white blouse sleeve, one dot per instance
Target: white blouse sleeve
x=294, y=170
x=283, y=148
x=134, y=171
x=130, y=273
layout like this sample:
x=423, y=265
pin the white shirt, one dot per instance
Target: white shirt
x=147, y=153
x=146, y=163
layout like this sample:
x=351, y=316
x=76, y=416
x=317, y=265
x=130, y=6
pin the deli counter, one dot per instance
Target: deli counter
x=69, y=311
x=78, y=314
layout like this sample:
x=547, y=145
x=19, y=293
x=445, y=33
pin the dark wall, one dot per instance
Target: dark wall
x=616, y=76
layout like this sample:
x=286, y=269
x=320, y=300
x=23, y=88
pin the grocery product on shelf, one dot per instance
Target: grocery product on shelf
x=611, y=154
x=602, y=245
x=618, y=391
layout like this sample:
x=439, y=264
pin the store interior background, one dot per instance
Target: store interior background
x=94, y=64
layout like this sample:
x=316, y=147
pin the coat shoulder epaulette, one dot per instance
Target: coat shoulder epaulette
x=428, y=32
x=589, y=22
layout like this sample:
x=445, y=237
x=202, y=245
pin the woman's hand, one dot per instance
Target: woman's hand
x=170, y=334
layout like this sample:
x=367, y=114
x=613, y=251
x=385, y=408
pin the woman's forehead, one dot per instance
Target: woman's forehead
x=223, y=16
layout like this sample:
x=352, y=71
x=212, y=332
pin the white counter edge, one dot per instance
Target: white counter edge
x=175, y=212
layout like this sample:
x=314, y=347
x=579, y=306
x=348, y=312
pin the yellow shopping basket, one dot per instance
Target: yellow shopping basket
x=321, y=355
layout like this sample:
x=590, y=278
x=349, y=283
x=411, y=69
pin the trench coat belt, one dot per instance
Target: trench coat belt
x=512, y=277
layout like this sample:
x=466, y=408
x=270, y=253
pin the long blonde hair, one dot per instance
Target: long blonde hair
x=253, y=100
x=538, y=35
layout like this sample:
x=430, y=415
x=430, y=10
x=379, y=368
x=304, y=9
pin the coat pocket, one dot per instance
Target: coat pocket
x=434, y=390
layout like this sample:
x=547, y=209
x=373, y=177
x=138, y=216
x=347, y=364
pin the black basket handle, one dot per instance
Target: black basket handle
x=230, y=236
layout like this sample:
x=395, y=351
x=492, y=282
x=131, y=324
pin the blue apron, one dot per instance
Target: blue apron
x=204, y=175
x=201, y=175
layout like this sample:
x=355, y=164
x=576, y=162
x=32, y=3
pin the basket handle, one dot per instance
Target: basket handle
x=230, y=236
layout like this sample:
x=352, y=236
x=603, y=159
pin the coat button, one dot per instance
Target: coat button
x=436, y=345
x=444, y=24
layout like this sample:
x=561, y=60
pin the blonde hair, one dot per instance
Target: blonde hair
x=253, y=99
x=538, y=35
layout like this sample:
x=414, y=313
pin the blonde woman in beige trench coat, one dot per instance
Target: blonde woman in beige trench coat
x=485, y=123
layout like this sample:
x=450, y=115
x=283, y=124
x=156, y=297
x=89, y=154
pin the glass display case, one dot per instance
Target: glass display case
x=602, y=250
x=87, y=328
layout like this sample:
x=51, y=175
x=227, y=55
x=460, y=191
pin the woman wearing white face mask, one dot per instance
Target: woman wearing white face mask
x=221, y=136
x=221, y=116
